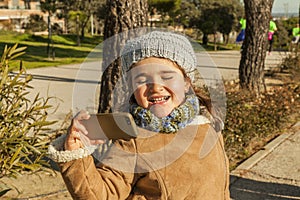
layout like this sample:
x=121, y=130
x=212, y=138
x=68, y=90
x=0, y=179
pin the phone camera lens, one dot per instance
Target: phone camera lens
x=127, y=120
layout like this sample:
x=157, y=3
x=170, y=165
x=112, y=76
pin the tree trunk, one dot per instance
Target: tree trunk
x=122, y=15
x=215, y=42
x=252, y=63
x=205, y=39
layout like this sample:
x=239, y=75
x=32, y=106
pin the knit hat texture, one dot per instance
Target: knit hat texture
x=160, y=44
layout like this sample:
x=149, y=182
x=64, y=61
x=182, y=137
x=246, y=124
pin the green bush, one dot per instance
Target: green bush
x=23, y=122
x=35, y=23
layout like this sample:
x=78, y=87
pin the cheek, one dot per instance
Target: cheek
x=178, y=88
x=139, y=95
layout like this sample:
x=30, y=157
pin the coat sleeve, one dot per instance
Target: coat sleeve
x=85, y=180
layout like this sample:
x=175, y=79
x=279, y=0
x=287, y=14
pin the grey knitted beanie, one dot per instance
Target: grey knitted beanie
x=163, y=45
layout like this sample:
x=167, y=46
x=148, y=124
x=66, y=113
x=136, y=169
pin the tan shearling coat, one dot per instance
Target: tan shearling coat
x=190, y=164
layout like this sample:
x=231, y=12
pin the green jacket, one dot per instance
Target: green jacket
x=243, y=23
x=272, y=27
x=296, y=31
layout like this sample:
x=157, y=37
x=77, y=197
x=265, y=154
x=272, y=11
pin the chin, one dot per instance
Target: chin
x=158, y=111
x=161, y=115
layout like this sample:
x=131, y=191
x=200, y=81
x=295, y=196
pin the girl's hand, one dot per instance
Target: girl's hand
x=77, y=133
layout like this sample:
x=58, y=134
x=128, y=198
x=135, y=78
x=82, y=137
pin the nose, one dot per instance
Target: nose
x=155, y=87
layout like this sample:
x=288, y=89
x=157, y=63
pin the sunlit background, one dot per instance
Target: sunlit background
x=287, y=8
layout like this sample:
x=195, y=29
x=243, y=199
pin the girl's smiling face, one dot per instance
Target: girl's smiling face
x=158, y=85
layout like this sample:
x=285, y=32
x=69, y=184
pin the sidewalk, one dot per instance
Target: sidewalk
x=272, y=173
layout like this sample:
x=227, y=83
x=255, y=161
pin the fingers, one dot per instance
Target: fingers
x=87, y=142
x=73, y=141
x=74, y=135
x=82, y=115
x=95, y=142
x=77, y=125
x=77, y=133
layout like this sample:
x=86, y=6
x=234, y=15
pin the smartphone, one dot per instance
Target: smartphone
x=110, y=126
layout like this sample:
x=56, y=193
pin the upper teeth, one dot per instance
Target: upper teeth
x=159, y=99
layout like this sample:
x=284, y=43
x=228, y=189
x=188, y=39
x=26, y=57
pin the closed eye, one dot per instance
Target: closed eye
x=140, y=80
x=166, y=77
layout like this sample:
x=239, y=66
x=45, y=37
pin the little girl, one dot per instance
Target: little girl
x=178, y=154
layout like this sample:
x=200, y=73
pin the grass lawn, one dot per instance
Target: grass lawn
x=65, y=49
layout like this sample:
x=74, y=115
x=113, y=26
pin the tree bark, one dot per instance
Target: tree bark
x=122, y=16
x=252, y=63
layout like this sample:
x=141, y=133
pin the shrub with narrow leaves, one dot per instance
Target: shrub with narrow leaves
x=23, y=121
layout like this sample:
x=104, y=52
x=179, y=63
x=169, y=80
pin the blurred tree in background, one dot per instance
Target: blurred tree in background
x=35, y=23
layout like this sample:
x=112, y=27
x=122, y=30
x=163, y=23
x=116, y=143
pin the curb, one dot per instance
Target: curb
x=267, y=149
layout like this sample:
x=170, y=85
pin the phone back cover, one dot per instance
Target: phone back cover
x=111, y=126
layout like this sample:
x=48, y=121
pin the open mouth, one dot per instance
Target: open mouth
x=157, y=100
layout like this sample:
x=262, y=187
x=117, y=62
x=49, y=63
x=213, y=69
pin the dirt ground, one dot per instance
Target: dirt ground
x=40, y=185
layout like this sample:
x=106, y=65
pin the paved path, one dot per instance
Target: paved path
x=228, y=62
x=272, y=173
